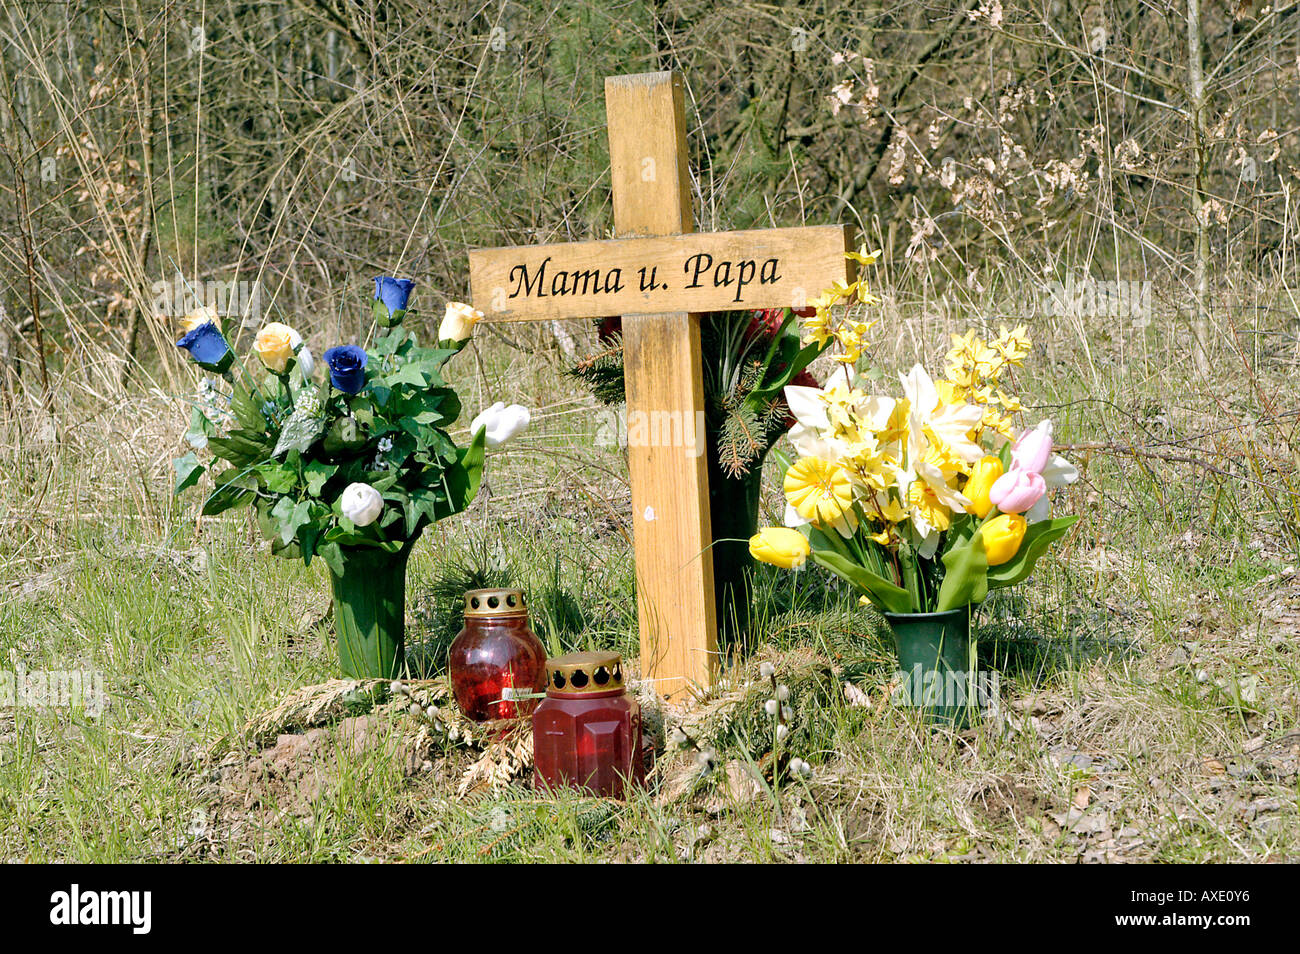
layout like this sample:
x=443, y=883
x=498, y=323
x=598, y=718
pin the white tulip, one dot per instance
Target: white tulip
x=501, y=422
x=1059, y=472
x=459, y=321
x=361, y=504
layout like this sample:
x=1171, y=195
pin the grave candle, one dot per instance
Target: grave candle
x=587, y=731
x=495, y=660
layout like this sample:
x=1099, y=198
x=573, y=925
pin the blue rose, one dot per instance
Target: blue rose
x=347, y=364
x=393, y=293
x=207, y=346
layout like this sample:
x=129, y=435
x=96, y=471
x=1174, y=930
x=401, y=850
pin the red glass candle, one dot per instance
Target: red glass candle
x=587, y=731
x=496, y=658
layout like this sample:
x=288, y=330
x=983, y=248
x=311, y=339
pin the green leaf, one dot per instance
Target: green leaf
x=276, y=477
x=188, y=471
x=317, y=472
x=332, y=554
x=200, y=429
x=248, y=409
x=1037, y=539
x=309, y=535
x=461, y=479
x=227, y=497
x=885, y=594
x=965, y=578
x=240, y=451
x=794, y=358
x=407, y=374
x=290, y=515
x=300, y=431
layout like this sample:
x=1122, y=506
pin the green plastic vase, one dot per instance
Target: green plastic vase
x=370, y=611
x=936, y=659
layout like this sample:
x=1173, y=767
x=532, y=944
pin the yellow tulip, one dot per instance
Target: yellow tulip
x=274, y=345
x=1002, y=536
x=982, y=476
x=780, y=546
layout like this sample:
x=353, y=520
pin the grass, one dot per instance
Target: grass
x=1150, y=669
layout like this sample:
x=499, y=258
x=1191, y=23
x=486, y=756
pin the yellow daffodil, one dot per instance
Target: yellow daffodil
x=862, y=256
x=780, y=546
x=821, y=491
x=842, y=291
x=1002, y=536
x=1009, y=402
x=927, y=508
x=818, y=327
x=1012, y=345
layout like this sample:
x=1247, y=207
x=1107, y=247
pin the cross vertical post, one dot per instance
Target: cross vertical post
x=663, y=374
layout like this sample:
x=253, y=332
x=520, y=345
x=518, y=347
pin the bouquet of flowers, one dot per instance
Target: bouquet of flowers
x=924, y=502
x=350, y=464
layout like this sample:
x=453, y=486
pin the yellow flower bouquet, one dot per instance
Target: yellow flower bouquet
x=926, y=500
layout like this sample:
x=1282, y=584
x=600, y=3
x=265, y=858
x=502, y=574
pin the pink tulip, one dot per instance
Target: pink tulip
x=1033, y=449
x=1017, y=490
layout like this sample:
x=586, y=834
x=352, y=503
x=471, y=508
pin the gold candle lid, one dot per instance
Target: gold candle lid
x=579, y=674
x=495, y=602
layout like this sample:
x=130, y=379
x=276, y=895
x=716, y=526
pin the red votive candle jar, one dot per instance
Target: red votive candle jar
x=587, y=731
x=496, y=658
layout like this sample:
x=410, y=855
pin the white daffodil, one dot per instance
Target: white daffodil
x=808, y=405
x=811, y=434
x=951, y=423
x=501, y=422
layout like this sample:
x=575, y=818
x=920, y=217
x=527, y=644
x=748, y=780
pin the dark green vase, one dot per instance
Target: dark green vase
x=370, y=612
x=733, y=513
x=936, y=660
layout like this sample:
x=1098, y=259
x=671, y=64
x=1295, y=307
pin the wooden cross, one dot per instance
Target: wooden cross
x=661, y=277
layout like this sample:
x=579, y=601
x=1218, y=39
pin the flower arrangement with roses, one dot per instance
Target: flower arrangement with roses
x=924, y=501
x=354, y=454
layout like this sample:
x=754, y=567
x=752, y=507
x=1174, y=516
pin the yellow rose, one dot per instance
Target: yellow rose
x=1002, y=536
x=199, y=316
x=458, y=324
x=780, y=546
x=982, y=475
x=275, y=344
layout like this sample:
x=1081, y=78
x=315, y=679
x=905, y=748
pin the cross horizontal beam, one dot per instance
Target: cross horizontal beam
x=696, y=272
